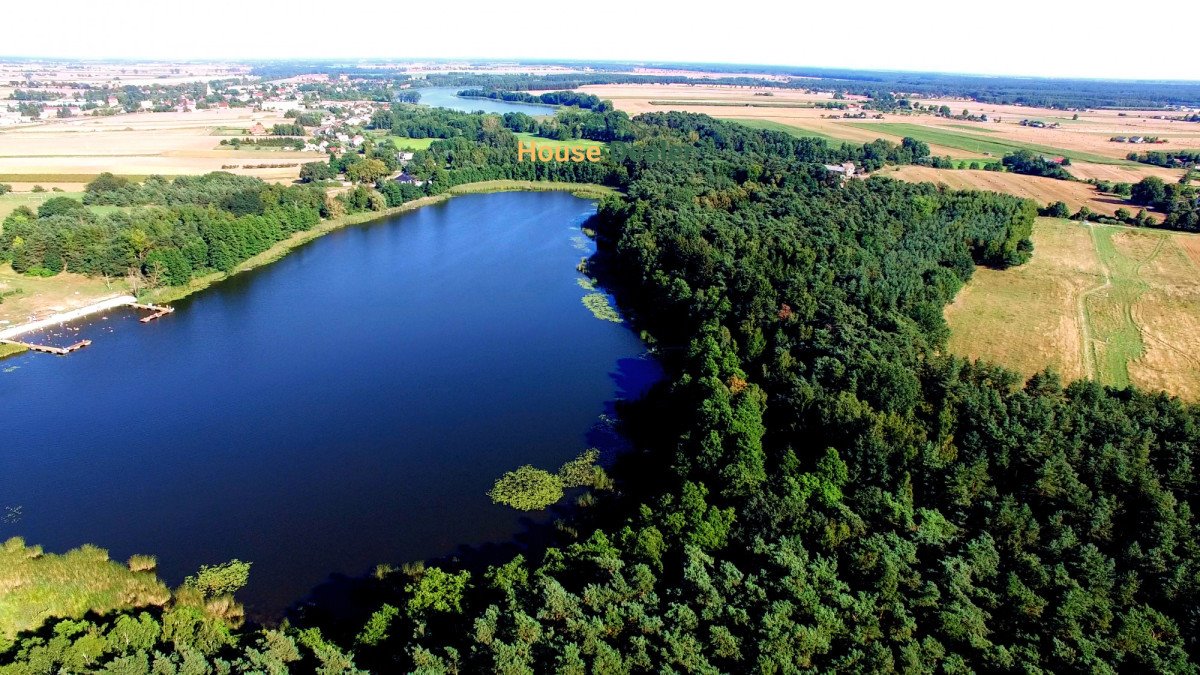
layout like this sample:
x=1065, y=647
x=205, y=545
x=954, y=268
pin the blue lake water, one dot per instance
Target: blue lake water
x=346, y=406
x=446, y=97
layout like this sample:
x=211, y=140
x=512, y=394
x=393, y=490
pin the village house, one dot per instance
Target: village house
x=846, y=169
x=406, y=177
x=258, y=129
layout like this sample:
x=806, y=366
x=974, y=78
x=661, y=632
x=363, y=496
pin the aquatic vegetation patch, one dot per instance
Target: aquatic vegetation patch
x=600, y=307
x=528, y=488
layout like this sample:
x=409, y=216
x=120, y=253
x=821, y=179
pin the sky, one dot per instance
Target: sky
x=1046, y=38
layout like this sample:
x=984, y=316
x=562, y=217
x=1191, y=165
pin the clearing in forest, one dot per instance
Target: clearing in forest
x=1115, y=304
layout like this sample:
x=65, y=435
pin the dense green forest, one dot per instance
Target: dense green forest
x=818, y=485
x=177, y=230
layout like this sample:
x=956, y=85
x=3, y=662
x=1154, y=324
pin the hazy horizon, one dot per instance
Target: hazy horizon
x=550, y=60
x=984, y=41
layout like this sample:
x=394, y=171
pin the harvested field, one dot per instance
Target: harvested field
x=1040, y=189
x=1122, y=174
x=140, y=144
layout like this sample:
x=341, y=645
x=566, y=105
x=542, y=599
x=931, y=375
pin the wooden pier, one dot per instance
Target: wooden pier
x=10, y=335
x=47, y=349
x=159, y=311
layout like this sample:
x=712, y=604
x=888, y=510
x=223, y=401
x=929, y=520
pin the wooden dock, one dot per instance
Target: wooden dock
x=47, y=349
x=156, y=312
x=159, y=311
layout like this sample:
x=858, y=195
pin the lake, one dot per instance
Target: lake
x=348, y=405
x=447, y=97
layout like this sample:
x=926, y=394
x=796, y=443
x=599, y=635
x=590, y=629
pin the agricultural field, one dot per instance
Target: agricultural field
x=992, y=146
x=1038, y=188
x=139, y=144
x=1084, y=140
x=1116, y=304
x=787, y=129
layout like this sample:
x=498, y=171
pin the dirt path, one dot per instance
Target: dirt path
x=1085, y=325
x=1125, y=297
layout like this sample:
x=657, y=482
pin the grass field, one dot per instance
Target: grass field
x=993, y=146
x=527, y=137
x=1119, y=305
x=13, y=200
x=975, y=127
x=401, y=142
x=787, y=129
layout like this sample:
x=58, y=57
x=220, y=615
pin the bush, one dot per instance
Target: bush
x=224, y=579
x=527, y=489
x=584, y=472
x=143, y=563
x=1057, y=210
x=58, y=206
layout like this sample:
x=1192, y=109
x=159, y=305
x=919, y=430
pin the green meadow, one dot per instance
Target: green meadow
x=527, y=137
x=798, y=132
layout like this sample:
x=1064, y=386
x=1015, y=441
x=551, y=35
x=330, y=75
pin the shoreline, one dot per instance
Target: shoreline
x=282, y=248
x=63, y=317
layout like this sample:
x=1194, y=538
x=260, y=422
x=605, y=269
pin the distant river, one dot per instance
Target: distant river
x=346, y=406
x=447, y=97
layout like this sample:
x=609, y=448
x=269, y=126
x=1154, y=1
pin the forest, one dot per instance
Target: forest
x=818, y=484
x=568, y=98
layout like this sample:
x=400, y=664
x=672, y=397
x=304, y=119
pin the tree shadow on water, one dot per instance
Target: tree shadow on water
x=343, y=603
